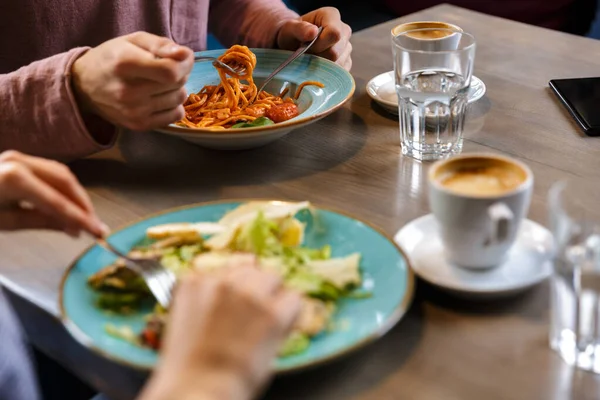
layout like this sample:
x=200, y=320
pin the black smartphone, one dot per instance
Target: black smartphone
x=581, y=96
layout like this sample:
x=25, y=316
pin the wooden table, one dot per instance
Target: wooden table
x=444, y=348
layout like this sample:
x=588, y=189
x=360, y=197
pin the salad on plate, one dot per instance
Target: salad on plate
x=268, y=232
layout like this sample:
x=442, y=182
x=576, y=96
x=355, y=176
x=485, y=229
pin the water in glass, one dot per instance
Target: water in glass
x=433, y=69
x=432, y=108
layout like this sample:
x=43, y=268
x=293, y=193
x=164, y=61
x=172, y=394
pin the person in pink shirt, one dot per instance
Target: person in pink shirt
x=73, y=74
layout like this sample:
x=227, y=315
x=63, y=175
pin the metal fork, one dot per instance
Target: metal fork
x=238, y=70
x=301, y=50
x=160, y=280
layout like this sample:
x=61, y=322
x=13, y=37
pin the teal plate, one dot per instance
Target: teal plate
x=314, y=103
x=386, y=273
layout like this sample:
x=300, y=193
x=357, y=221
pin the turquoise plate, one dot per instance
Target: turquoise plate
x=314, y=102
x=386, y=273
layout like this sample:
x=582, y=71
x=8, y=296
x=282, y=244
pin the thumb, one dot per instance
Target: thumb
x=294, y=32
x=174, y=52
x=159, y=46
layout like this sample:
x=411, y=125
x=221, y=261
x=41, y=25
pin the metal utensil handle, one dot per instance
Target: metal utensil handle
x=301, y=50
x=109, y=247
x=204, y=58
x=217, y=63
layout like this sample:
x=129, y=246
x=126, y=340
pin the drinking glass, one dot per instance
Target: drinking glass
x=575, y=285
x=433, y=69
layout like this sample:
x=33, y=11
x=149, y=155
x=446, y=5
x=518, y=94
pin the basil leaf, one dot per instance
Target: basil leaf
x=261, y=121
x=242, y=125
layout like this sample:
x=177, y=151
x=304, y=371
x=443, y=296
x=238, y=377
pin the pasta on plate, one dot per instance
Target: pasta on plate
x=235, y=101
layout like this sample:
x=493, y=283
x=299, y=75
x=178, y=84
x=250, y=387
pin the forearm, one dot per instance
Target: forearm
x=40, y=114
x=254, y=23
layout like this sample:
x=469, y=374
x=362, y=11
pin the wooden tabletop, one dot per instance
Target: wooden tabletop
x=443, y=348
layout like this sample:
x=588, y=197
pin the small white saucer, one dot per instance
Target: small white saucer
x=382, y=89
x=528, y=263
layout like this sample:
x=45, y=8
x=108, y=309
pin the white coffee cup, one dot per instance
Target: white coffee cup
x=428, y=35
x=479, y=202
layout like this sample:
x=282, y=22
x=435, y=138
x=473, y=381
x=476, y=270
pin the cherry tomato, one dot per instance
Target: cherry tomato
x=282, y=112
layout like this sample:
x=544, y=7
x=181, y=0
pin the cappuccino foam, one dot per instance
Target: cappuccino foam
x=485, y=180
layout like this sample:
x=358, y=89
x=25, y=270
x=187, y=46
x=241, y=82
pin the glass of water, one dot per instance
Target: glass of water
x=433, y=69
x=575, y=296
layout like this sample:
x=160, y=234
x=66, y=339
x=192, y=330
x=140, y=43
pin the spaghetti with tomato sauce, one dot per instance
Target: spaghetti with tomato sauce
x=235, y=101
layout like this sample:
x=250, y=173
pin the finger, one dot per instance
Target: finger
x=57, y=175
x=328, y=39
x=136, y=92
x=335, y=52
x=60, y=177
x=175, y=52
x=295, y=32
x=287, y=308
x=160, y=46
x=157, y=89
x=169, y=100
x=303, y=31
x=347, y=65
x=256, y=283
x=28, y=219
x=334, y=29
x=47, y=200
x=345, y=60
x=134, y=63
x=164, y=118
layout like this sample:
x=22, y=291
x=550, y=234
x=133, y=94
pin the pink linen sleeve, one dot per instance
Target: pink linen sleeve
x=40, y=116
x=254, y=23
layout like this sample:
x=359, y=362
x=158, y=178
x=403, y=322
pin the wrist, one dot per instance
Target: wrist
x=102, y=131
x=83, y=100
x=198, y=385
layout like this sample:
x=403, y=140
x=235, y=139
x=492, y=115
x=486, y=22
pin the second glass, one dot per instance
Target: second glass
x=575, y=300
x=433, y=69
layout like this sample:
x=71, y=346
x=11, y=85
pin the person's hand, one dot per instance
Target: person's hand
x=334, y=42
x=41, y=194
x=134, y=81
x=223, y=334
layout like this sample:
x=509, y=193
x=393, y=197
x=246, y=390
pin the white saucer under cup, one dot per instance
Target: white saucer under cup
x=382, y=89
x=528, y=262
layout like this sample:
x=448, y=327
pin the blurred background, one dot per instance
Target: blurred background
x=361, y=14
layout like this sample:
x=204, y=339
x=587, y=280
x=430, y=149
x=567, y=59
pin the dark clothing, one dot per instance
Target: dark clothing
x=573, y=16
x=16, y=375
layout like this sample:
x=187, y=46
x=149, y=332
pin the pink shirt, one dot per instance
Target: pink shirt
x=40, y=40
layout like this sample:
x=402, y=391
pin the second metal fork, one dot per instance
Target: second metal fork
x=301, y=50
x=159, y=280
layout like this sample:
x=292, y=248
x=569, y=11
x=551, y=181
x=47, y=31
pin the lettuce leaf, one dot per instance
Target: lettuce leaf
x=312, y=285
x=259, y=237
x=296, y=256
x=296, y=343
x=343, y=273
x=120, y=302
x=178, y=259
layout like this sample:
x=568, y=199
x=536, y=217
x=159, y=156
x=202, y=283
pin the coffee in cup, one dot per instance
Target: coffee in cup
x=479, y=201
x=475, y=178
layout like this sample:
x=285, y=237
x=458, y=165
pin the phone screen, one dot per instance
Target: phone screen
x=582, y=97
